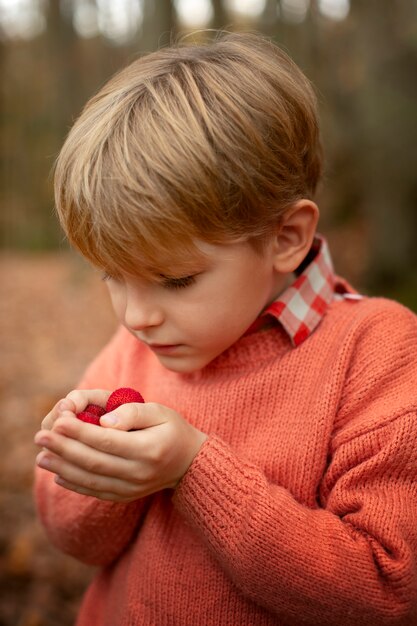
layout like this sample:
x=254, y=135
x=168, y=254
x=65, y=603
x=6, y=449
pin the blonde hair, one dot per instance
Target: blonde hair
x=208, y=142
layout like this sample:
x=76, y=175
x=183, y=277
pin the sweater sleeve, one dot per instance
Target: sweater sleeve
x=93, y=531
x=352, y=560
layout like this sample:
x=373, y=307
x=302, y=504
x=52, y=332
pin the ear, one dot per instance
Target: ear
x=295, y=235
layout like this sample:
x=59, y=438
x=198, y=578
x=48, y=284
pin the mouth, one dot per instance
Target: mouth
x=161, y=348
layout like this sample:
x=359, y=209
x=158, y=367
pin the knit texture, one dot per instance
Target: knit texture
x=301, y=506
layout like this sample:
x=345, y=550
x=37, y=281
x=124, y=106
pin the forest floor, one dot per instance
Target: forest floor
x=54, y=316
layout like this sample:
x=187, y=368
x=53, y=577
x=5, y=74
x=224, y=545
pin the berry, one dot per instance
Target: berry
x=124, y=395
x=91, y=414
x=95, y=409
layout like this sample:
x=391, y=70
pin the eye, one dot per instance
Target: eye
x=178, y=283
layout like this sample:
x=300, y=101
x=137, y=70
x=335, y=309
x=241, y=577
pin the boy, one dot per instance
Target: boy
x=270, y=477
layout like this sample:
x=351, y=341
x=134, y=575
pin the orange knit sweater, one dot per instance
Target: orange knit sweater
x=300, y=508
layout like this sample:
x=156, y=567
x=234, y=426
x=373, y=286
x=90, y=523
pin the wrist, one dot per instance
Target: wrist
x=195, y=444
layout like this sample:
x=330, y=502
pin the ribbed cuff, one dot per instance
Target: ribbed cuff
x=214, y=489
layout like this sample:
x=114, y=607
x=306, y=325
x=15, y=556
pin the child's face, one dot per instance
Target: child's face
x=187, y=321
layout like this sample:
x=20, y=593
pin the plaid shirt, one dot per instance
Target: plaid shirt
x=301, y=306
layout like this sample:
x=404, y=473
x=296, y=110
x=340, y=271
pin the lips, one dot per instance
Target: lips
x=157, y=346
x=163, y=348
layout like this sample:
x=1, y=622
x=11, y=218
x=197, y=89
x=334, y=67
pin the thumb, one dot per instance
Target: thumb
x=134, y=416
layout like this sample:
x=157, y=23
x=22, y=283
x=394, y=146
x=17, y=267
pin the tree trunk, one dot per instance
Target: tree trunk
x=387, y=110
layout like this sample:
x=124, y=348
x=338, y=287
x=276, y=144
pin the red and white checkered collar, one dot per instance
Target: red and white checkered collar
x=301, y=306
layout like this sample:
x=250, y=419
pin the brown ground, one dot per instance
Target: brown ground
x=54, y=315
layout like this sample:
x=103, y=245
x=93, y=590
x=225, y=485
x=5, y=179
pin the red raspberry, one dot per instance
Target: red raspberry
x=95, y=409
x=124, y=395
x=91, y=414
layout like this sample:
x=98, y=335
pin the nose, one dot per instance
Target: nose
x=142, y=309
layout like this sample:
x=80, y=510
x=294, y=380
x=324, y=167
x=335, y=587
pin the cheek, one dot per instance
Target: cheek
x=117, y=301
x=239, y=300
x=231, y=300
x=218, y=320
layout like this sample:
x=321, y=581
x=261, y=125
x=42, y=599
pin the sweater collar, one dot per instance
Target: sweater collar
x=303, y=304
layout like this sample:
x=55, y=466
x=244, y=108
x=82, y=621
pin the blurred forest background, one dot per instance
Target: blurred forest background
x=54, y=314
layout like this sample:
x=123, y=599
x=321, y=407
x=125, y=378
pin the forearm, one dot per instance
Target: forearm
x=289, y=558
x=91, y=530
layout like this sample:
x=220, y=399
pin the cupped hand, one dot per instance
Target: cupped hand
x=142, y=449
x=75, y=401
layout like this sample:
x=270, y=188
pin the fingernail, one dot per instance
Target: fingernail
x=44, y=462
x=108, y=420
x=41, y=441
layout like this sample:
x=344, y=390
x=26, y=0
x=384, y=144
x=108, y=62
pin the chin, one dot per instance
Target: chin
x=183, y=365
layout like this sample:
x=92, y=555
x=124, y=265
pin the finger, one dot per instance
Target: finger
x=42, y=437
x=94, y=483
x=135, y=416
x=81, y=397
x=65, y=404
x=88, y=459
x=127, y=445
x=88, y=492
